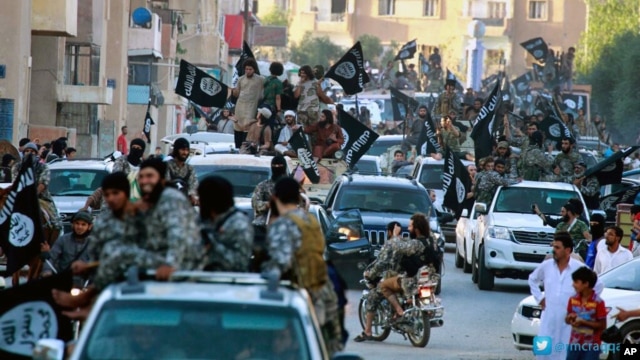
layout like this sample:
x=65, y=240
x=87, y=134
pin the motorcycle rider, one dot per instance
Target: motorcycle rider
x=381, y=268
x=421, y=250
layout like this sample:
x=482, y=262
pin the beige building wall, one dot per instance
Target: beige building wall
x=15, y=54
x=445, y=26
x=46, y=72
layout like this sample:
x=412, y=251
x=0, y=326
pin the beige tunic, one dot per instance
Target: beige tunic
x=250, y=93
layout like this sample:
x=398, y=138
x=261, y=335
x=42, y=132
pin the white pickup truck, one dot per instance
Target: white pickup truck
x=509, y=240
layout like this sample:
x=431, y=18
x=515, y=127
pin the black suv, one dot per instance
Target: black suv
x=380, y=200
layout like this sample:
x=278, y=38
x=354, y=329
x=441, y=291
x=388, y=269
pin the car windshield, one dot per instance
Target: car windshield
x=520, y=199
x=431, y=176
x=623, y=277
x=376, y=199
x=380, y=147
x=195, y=330
x=243, y=178
x=368, y=167
x=75, y=182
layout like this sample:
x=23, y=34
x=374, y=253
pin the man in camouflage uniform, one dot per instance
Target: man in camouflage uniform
x=488, y=181
x=382, y=268
x=296, y=246
x=264, y=190
x=535, y=163
x=567, y=158
x=589, y=187
x=447, y=101
x=227, y=231
x=43, y=177
x=451, y=136
x=503, y=152
x=179, y=170
x=519, y=140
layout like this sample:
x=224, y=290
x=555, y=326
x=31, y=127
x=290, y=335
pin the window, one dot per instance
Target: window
x=537, y=10
x=431, y=8
x=82, y=64
x=497, y=10
x=386, y=7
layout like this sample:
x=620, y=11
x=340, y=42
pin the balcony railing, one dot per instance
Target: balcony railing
x=146, y=41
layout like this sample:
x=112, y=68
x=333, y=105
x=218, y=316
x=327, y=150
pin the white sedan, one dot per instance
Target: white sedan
x=622, y=289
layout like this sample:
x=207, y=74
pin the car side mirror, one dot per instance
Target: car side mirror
x=49, y=349
x=481, y=208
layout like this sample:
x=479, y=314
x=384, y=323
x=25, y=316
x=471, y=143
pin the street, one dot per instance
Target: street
x=477, y=324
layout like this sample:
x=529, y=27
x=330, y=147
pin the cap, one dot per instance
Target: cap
x=83, y=216
x=265, y=112
x=503, y=144
x=290, y=113
x=31, y=146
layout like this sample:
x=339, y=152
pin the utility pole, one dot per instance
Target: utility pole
x=246, y=21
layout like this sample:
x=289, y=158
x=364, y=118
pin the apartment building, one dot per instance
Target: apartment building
x=443, y=24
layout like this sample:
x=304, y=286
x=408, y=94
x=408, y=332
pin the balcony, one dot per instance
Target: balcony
x=332, y=22
x=54, y=17
x=201, y=48
x=146, y=41
x=100, y=95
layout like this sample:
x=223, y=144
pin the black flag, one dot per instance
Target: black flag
x=537, y=48
x=486, y=82
x=482, y=133
x=407, y=51
x=28, y=313
x=239, y=68
x=299, y=143
x=200, y=87
x=349, y=71
x=555, y=130
x=148, y=121
x=410, y=104
x=20, y=225
x=357, y=138
x=609, y=170
x=610, y=202
x=521, y=83
x=456, y=182
x=395, y=106
x=574, y=102
x=428, y=141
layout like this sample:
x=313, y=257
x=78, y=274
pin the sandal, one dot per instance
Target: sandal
x=363, y=337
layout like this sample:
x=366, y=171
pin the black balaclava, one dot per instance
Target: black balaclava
x=135, y=155
x=278, y=167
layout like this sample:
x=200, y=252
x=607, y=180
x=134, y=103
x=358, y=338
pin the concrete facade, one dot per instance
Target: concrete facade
x=443, y=24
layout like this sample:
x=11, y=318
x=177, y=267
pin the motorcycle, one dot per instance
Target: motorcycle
x=422, y=311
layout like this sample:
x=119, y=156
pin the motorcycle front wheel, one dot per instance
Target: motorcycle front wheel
x=422, y=328
x=379, y=329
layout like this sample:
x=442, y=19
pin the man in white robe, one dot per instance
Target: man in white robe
x=555, y=275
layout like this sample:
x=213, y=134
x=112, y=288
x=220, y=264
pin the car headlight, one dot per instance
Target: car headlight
x=499, y=232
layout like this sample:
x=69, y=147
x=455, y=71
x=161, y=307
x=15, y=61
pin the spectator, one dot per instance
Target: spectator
x=249, y=90
x=70, y=153
x=614, y=254
x=121, y=144
x=399, y=161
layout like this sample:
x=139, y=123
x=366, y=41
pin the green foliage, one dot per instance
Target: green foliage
x=315, y=51
x=371, y=47
x=275, y=17
x=607, y=59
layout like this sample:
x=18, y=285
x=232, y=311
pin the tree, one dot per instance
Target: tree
x=315, y=51
x=607, y=59
x=275, y=17
x=371, y=47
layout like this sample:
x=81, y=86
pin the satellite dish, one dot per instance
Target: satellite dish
x=141, y=16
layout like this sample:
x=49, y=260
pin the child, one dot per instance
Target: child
x=70, y=247
x=587, y=316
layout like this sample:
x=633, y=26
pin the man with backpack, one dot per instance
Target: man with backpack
x=296, y=248
x=181, y=175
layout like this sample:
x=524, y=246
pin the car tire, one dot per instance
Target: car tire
x=466, y=267
x=486, y=278
x=631, y=332
x=474, y=268
x=459, y=259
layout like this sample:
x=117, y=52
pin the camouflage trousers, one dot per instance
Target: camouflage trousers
x=325, y=303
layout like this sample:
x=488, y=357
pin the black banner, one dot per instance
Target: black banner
x=428, y=141
x=456, y=182
x=395, y=106
x=537, y=47
x=28, y=313
x=407, y=51
x=627, y=196
x=239, y=68
x=300, y=144
x=20, y=227
x=349, y=71
x=522, y=83
x=609, y=170
x=486, y=82
x=554, y=129
x=200, y=87
x=410, y=104
x=506, y=90
x=573, y=102
x=482, y=133
x=357, y=138
x=148, y=121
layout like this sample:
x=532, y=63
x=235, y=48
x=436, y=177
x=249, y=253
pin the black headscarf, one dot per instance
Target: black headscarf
x=135, y=155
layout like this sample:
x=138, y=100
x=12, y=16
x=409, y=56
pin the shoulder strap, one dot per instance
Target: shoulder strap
x=224, y=219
